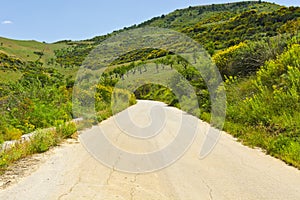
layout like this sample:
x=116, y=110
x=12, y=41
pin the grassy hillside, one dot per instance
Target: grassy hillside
x=29, y=50
x=15, y=54
x=216, y=27
x=208, y=15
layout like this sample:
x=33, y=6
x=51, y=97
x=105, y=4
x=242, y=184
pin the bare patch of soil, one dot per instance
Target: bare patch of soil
x=26, y=166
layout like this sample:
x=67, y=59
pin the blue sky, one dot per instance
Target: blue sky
x=55, y=20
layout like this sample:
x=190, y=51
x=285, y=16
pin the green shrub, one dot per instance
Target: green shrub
x=43, y=140
x=264, y=110
x=16, y=152
x=12, y=133
x=66, y=130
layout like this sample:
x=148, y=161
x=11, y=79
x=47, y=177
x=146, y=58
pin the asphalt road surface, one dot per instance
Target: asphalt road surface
x=230, y=171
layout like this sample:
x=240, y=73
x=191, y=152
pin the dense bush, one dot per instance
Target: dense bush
x=249, y=25
x=37, y=100
x=66, y=130
x=43, y=140
x=10, y=63
x=266, y=107
x=246, y=58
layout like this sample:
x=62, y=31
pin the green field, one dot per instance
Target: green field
x=24, y=50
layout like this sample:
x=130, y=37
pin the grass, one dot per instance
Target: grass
x=24, y=50
x=281, y=147
x=68, y=72
x=42, y=141
x=9, y=76
x=263, y=110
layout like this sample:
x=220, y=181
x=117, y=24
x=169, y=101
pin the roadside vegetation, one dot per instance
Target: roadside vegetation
x=39, y=99
x=41, y=141
x=264, y=109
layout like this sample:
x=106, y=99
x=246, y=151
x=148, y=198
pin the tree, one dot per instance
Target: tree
x=157, y=62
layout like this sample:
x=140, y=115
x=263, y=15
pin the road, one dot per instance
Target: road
x=231, y=171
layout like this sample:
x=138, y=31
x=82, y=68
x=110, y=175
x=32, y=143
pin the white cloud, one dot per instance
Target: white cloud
x=6, y=22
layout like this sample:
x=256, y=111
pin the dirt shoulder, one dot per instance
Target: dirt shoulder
x=28, y=165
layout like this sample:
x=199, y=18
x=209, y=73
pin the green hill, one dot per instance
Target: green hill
x=29, y=50
x=216, y=27
x=14, y=54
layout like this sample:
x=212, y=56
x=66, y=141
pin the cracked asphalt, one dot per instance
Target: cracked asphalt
x=231, y=171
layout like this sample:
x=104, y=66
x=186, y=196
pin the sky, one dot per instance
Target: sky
x=56, y=20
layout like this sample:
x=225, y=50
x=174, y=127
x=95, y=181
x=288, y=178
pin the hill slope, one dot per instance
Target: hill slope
x=29, y=50
x=215, y=27
x=14, y=54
